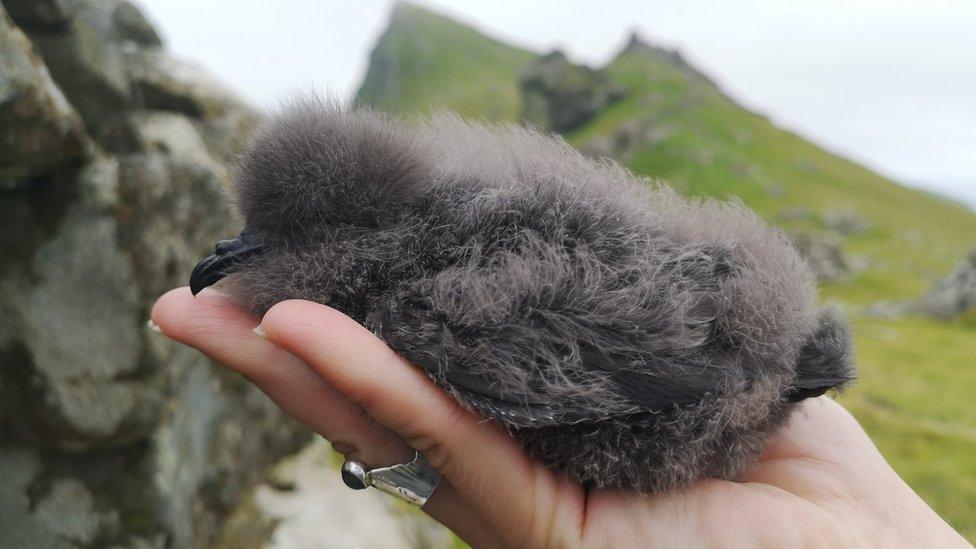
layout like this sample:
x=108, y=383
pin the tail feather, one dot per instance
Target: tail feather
x=826, y=361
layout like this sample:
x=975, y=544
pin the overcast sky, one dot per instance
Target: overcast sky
x=891, y=84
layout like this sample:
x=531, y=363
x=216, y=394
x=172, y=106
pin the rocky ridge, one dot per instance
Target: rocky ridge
x=560, y=96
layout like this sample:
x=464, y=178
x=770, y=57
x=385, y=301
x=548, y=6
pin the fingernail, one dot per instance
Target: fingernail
x=153, y=326
x=260, y=331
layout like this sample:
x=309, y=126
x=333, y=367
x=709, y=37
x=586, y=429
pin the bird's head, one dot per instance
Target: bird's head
x=312, y=170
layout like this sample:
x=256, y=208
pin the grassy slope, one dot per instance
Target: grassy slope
x=917, y=375
x=410, y=69
x=714, y=147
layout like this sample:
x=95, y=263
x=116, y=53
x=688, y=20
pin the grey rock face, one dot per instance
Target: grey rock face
x=560, y=96
x=954, y=294
x=165, y=83
x=131, y=25
x=109, y=434
x=87, y=63
x=632, y=136
x=63, y=518
x=39, y=14
x=846, y=222
x=825, y=254
x=795, y=213
x=39, y=131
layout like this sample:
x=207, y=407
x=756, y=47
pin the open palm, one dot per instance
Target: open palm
x=821, y=482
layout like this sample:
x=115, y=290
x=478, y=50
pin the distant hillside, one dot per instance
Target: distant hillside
x=674, y=123
x=709, y=145
x=411, y=69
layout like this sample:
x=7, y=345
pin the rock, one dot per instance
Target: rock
x=88, y=63
x=807, y=165
x=38, y=14
x=69, y=509
x=46, y=512
x=630, y=137
x=18, y=526
x=103, y=58
x=19, y=467
x=637, y=45
x=79, y=327
x=170, y=133
x=110, y=435
x=824, y=253
x=953, y=295
x=131, y=25
x=885, y=309
x=846, y=222
x=774, y=190
x=560, y=96
x=163, y=197
x=164, y=83
x=795, y=213
x=40, y=133
x=315, y=505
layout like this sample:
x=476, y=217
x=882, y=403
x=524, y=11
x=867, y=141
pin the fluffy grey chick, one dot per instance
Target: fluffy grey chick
x=625, y=335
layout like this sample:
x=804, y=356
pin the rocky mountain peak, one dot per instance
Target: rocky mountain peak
x=561, y=96
x=638, y=45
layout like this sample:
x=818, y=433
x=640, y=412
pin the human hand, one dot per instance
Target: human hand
x=820, y=482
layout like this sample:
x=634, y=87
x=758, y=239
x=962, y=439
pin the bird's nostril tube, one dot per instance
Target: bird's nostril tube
x=227, y=254
x=225, y=246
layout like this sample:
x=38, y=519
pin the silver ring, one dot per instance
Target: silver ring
x=412, y=482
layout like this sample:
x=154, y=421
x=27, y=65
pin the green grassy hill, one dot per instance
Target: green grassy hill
x=426, y=61
x=917, y=374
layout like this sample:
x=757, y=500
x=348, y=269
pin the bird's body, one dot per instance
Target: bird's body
x=627, y=336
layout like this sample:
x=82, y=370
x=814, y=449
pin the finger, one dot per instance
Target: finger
x=213, y=324
x=483, y=463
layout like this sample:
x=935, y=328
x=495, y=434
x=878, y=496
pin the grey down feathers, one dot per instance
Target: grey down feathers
x=625, y=335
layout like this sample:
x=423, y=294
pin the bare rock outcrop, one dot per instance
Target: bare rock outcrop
x=846, y=222
x=630, y=137
x=953, y=295
x=40, y=133
x=560, y=96
x=825, y=254
x=112, y=159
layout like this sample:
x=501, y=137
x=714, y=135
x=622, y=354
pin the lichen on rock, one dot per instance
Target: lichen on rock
x=112, y=161
x=40, y=133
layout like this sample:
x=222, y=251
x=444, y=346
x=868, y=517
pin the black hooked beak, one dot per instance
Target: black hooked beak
x=227, y=254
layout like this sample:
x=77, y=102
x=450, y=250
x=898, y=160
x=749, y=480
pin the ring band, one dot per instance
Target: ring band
x=412, y=482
